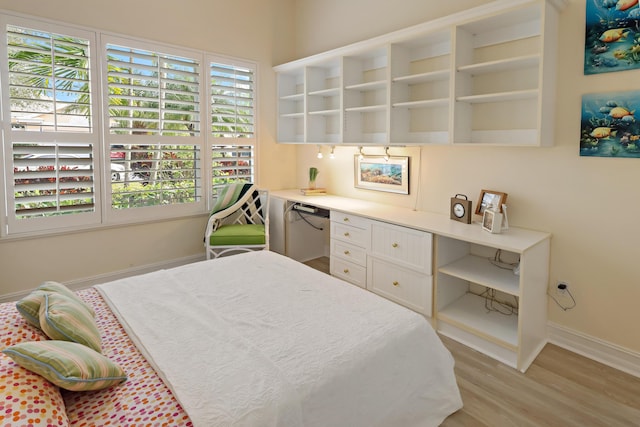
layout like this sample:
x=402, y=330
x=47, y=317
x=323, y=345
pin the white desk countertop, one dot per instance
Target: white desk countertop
x=515, y=239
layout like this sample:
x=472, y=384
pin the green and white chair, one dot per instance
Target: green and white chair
x=239, y=221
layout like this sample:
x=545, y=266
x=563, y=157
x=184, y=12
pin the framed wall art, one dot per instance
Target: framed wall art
x=609, y=127
x=380, y=174
x=612, y=29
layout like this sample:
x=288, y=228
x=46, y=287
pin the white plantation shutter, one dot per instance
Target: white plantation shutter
x=232, y=163
x=51, y=142
x=154, y=113
x=152, y=93
x=157, y=175
x=233, y=120
x=52, y=179
x=172, y=123
x=232, y=100
x=49, y=81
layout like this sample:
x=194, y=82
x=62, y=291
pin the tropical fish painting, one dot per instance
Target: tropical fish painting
x=612, y=40
x=610, y=125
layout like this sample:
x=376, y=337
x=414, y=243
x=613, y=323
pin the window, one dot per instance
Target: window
x=144, y=153
x=232, y=163
x=232, y=121
x=51, y=143
x=154, y=126
x=232, y=99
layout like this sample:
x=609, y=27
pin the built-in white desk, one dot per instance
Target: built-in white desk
x=441, y=268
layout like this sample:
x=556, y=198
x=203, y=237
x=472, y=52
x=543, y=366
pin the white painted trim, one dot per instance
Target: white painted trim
x=115, y=275
x=599, y=350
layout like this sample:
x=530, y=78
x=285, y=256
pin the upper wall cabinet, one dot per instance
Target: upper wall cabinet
x=485, y=76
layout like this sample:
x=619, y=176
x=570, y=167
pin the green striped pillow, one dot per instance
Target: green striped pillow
x=68, y=365
x=62, y=318
x=29, y=306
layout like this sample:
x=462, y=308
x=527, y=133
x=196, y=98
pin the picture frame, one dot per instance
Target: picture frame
x=488, y=198
x=492, y=221
x=382, y=174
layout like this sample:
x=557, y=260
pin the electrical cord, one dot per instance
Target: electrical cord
x=497, y=261
x=307, y=221
x=562, y=306
x=492, y=304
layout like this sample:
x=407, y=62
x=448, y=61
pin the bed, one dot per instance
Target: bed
x=254, y=339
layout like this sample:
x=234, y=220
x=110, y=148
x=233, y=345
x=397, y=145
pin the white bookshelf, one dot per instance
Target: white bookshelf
x=467, y=273
x=484, y=76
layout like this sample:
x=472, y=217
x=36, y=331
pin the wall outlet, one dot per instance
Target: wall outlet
x=562, y=288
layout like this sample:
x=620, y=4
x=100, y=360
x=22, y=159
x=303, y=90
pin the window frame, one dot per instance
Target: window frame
x=103, y=215
x=158, y=211
x=213, y=141
x=11, y=224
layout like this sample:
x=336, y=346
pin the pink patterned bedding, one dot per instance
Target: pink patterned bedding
x=143, y=400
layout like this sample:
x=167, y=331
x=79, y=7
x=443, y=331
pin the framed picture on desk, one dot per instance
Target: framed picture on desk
x=382, y=174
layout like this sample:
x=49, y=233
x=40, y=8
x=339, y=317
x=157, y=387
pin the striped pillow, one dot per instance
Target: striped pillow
x=29, y=306
x=62, y=318
x=68, y=365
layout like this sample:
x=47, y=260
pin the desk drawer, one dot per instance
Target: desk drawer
x=349, y=252
x=408, y=247
x=352, y=273
x=406, y=287
x=349, y=219
x=353, y=235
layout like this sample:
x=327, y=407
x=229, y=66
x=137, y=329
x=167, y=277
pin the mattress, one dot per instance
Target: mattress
x=260, y=339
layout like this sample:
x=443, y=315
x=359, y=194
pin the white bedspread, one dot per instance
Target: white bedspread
x=258, y=339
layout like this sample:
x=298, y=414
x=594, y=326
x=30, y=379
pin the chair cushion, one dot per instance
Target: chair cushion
x=238, y=235
x=229, y=194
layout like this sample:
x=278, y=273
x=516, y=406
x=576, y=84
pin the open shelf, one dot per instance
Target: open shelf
x=480, y=270
x=326, y=92
x=432, y=76
x=499, y=97
x=421, y=104
x=367, y=108
x=469, y=313
x=363, y=87
x=485, y=76
x=324, y=113
x=526, y=61
x=468, y=273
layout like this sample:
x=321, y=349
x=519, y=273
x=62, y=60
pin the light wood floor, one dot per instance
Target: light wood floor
x=560, y=389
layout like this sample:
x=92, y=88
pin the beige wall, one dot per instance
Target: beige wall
x=579, y=200
x=262, y=32
x=590, y=205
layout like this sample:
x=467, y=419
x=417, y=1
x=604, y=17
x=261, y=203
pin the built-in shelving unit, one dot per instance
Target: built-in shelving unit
x=291, y=106
x=483, y=301
x=484, y=76
x=324, y=102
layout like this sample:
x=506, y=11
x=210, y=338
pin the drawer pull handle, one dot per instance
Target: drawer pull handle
x=345, y=271
x=346, y=219
x=394, y=245
x=347, y=252
x=396, y=283
x=346, y=234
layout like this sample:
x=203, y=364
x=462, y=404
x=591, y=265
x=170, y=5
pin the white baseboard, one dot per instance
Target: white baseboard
x=594, y=348
x=115, y=275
